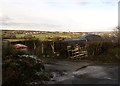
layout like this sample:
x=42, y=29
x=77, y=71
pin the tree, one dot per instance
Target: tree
x=118, y=33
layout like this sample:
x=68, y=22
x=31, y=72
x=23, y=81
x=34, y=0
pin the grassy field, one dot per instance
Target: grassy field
x=49, y=36
x=44, y=36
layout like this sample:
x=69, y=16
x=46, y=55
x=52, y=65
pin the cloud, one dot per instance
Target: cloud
x=87, y=2
x=112, y=2
x=73, y=15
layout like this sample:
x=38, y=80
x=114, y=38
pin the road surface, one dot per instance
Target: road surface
x=67, y=72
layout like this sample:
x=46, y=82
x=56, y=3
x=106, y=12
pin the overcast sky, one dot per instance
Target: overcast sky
x=59, y=15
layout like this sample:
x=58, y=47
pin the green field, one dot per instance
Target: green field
x=42, y=36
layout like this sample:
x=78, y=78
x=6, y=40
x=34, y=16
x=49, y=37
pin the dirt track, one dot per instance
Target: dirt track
x=67, y=72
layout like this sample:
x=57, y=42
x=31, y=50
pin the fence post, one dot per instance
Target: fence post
x=52, y=45
x=42, y=48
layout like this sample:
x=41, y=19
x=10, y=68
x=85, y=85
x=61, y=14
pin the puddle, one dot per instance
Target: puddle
x=58, y=75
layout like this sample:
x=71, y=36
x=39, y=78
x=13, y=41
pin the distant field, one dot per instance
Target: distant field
x=48, y=36
x=20, y=35
x=43, y=36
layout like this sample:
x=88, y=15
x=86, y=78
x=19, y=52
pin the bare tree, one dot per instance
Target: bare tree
x=117, y=32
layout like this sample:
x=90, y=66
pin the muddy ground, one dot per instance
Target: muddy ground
x=71, y=72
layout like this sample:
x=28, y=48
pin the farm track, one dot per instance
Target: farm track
x=69, y=72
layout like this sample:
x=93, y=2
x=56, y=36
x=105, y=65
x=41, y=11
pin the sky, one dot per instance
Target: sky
x=59, y=15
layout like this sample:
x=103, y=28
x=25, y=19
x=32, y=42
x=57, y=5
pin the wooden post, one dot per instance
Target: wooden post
x=42, y=48
x=34, y=46
x=52, y=45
